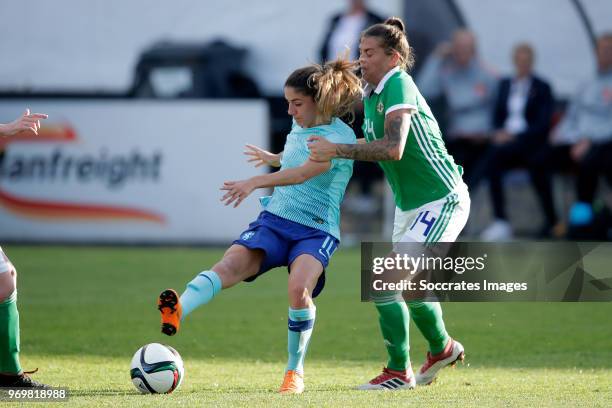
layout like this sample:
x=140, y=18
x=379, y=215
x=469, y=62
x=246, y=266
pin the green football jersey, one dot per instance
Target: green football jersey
x=426, y=172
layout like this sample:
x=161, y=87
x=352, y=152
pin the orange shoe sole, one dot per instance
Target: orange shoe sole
x=170, y=308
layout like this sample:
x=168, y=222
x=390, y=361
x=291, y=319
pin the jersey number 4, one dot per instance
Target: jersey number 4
x=369, y=129
x=422, y=218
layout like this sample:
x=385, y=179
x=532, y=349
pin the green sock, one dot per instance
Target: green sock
x=428, y=318
x=9, y=336
x=394, y=323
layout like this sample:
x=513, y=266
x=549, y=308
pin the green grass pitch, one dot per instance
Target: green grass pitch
x=85, y=311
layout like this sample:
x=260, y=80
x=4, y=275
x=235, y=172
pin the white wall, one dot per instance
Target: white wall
x=94, y=44
x=600, y=14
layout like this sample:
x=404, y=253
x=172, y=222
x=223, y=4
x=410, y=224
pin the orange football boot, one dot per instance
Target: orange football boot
x=171, y=311
x=293, y=383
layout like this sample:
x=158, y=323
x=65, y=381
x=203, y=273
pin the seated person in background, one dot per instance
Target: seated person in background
x=521, y=119
x=454, y=72
x=583, y=139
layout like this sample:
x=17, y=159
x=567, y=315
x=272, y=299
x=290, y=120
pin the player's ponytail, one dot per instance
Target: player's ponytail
x=334, y=87
x=338, y=88
x=392, y=36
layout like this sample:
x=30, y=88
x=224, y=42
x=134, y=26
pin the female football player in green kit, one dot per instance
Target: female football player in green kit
x=11, y=374
x=432, y=201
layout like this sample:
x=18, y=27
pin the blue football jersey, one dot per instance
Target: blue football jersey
x=316, y=202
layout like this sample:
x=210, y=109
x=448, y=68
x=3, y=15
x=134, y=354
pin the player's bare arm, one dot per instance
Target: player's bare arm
x=237, y=191
x=390, y=147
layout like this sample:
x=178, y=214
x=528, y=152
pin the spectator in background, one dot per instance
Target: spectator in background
x=583, y=139
x=344, y=32
x=454, y=72
x=522, y=116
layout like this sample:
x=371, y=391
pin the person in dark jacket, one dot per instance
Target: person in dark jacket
x=522, y=117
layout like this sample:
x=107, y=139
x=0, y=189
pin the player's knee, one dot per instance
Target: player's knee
x=226, y=273
x=299, y=296
x=231, y=271
x=8, y=284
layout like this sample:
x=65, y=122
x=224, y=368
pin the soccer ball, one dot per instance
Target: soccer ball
x=156, y=369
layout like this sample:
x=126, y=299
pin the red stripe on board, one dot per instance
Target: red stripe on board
x=51, y=209
x=52, y=133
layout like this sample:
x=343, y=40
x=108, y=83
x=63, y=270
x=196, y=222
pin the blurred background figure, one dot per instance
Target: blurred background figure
x=453, y=71
x=582, y=142
x=521, y=120
x=344, y=30
x=343, y=33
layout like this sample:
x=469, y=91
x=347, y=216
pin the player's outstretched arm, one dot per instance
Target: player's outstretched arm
x=237, y=191
x=27, y=122
x=261, y=156
x=390, y=147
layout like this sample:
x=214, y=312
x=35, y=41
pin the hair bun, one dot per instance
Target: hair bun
x=395, y=22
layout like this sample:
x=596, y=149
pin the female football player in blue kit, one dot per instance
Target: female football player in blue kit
x=300, y=224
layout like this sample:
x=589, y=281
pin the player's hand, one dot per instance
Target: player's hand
x=27, y=122
x=237, y=191
x=261, y=156
x=321, y=149
x=502, y=137
x=580, y=149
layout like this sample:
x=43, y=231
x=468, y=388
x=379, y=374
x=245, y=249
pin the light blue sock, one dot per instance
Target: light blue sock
x=301, y=322
x=200, y=291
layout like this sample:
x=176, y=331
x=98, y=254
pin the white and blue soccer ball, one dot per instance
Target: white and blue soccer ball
x=156, y=369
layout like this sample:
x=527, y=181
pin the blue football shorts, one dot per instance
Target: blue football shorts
x=283, y=241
